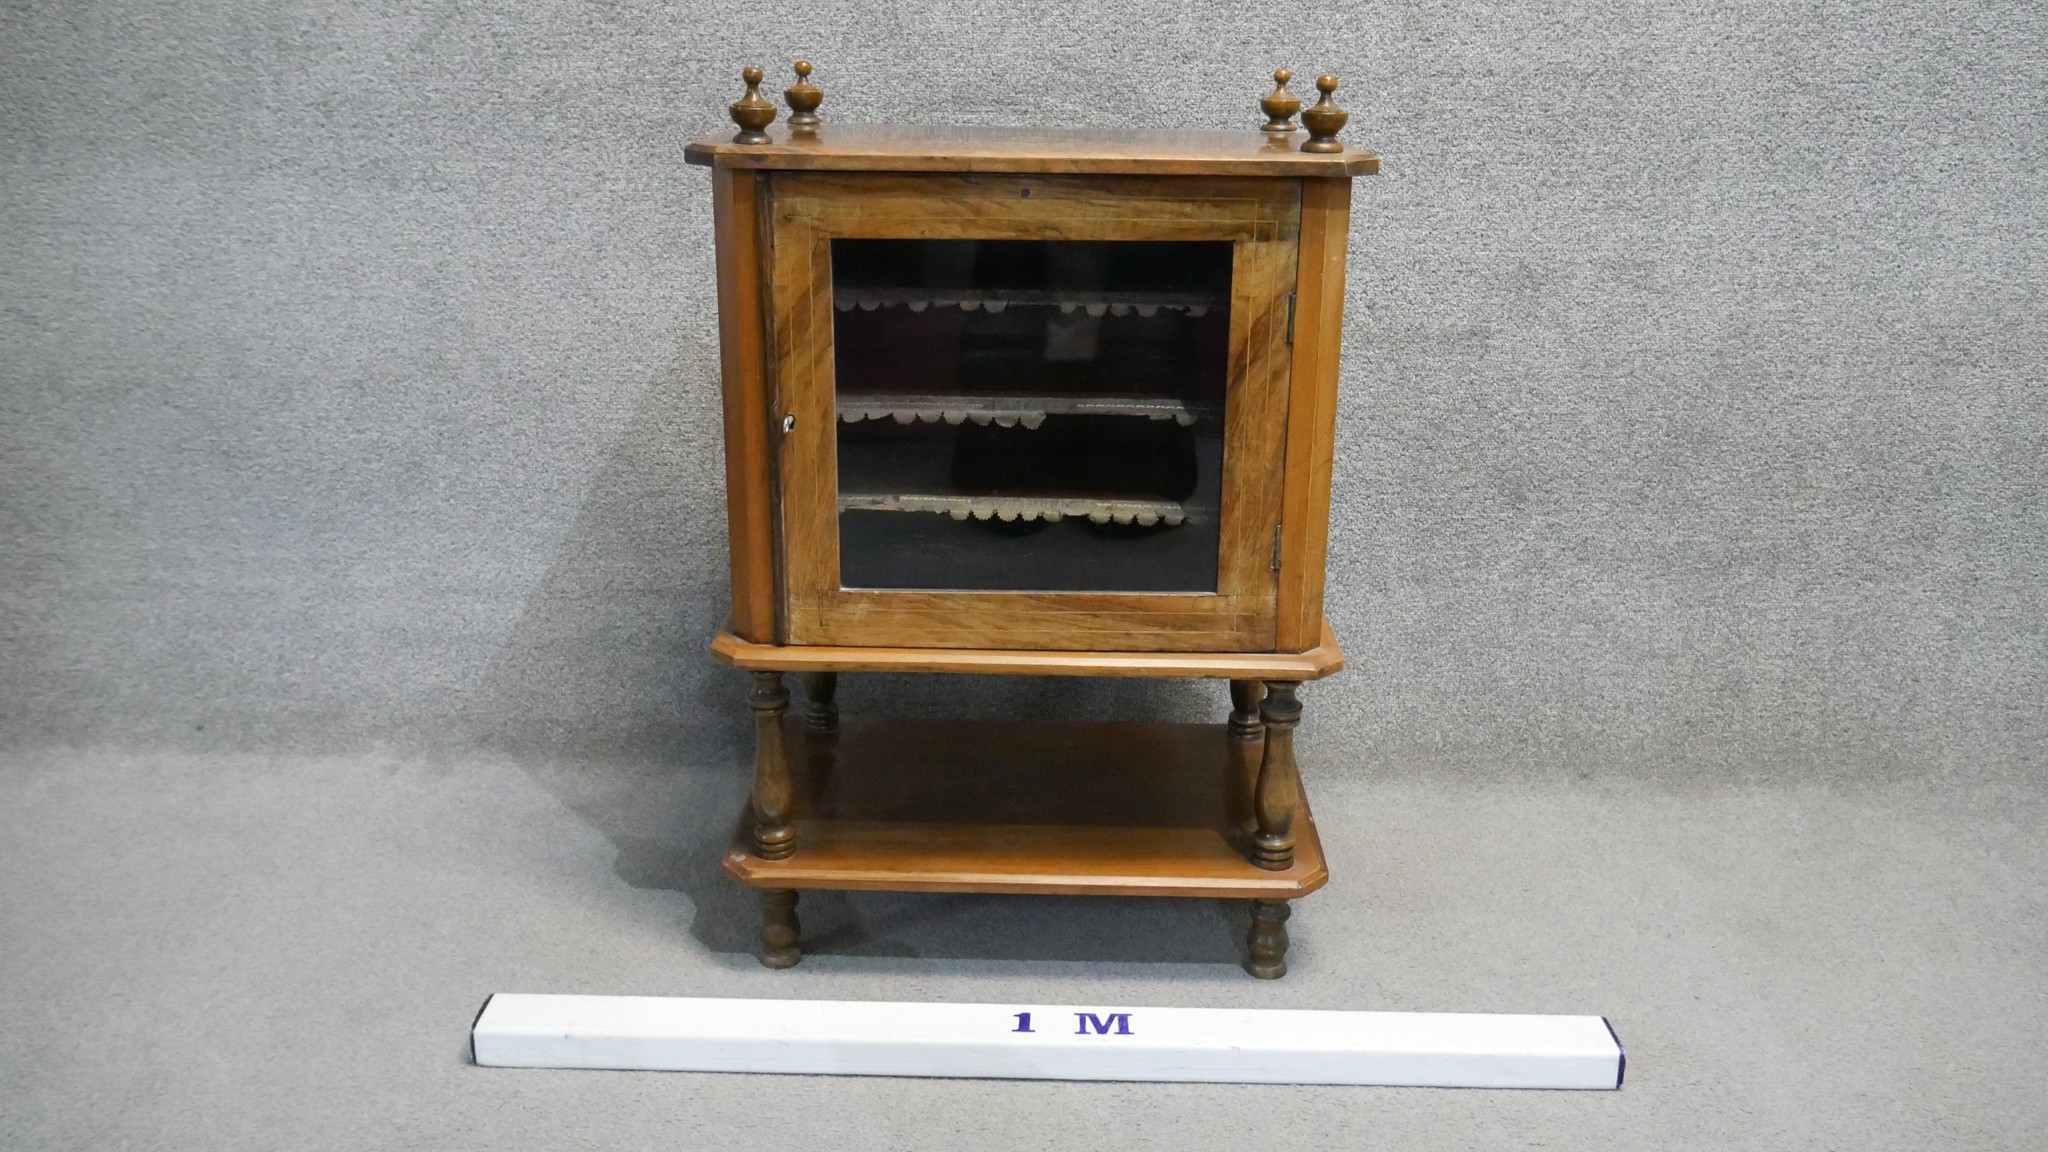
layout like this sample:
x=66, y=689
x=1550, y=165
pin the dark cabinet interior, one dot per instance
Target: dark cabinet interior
x=1030, y=415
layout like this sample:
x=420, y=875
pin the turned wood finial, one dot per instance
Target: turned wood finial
x=750, y=111
x=1324, y=120
x=1280, y=105
x=804, y=98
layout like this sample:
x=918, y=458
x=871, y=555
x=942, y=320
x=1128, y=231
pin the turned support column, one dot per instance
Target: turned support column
x=1244, y=711
x=821, y=711
x=774, y=796
x=1268, y=940
x=1278, y=792
x=779, y=930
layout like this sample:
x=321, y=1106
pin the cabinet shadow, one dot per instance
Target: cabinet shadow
x=670, y=823
x=605, y=694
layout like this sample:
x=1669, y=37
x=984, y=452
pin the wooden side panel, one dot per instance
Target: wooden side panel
x=1312, y=415
x=743, y=372
x=1260, y=216
x=803, y=354
x=1253, y=472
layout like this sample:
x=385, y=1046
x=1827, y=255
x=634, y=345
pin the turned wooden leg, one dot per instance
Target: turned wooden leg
x=1268, y=939
x=821, y=714
x=1279, y=787
x=774, y=796
x=1244, y=710
x=779, y=929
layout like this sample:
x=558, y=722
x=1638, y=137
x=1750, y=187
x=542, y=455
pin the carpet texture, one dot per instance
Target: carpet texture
x=255, y=952
x=362, y=529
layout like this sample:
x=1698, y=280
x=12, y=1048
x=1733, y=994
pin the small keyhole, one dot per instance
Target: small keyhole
x=788, y=424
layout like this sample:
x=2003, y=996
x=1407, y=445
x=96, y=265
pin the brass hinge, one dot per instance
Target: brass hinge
x=1290, y=317
x=1276, y=548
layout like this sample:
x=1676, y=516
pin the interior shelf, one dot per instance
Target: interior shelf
x=1135, y=809
x=1051, y=509
x=1094, y=303
x=1007, y=411
x=1052, y=413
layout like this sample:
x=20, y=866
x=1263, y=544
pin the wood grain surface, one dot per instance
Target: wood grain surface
x=1314, y=664
x=1073, y=151
x=737, y=229
x=1260, y=216
x=1312, y=411
x=996, y=806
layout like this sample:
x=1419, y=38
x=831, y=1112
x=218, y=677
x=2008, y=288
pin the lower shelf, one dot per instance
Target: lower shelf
x=1115, y=809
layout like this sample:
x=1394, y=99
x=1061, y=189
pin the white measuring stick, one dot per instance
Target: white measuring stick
x=1047, y=1042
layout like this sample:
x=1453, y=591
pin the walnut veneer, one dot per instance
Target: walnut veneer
x=1206, y=810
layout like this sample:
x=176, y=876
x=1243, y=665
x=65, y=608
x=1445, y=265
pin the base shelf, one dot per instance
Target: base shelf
x=1114, y=809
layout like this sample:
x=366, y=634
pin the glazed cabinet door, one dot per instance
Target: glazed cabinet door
x=1030, y=411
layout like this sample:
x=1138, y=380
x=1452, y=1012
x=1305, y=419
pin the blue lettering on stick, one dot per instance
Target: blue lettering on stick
x=1120, y=1021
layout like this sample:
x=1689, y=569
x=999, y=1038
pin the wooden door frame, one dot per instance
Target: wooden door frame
x=1261, y=217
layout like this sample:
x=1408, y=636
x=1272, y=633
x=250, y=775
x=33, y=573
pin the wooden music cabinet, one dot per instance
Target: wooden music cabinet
x=1029, y=402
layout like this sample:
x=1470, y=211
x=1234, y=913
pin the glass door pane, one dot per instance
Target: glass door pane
x=1020, y=415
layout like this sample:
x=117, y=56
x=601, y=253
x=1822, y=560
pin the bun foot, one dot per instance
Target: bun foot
x=1268, y=939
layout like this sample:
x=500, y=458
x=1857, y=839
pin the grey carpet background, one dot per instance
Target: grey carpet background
x=361, y=532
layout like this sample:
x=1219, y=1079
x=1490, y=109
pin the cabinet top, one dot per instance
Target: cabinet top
x=1078, y=152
